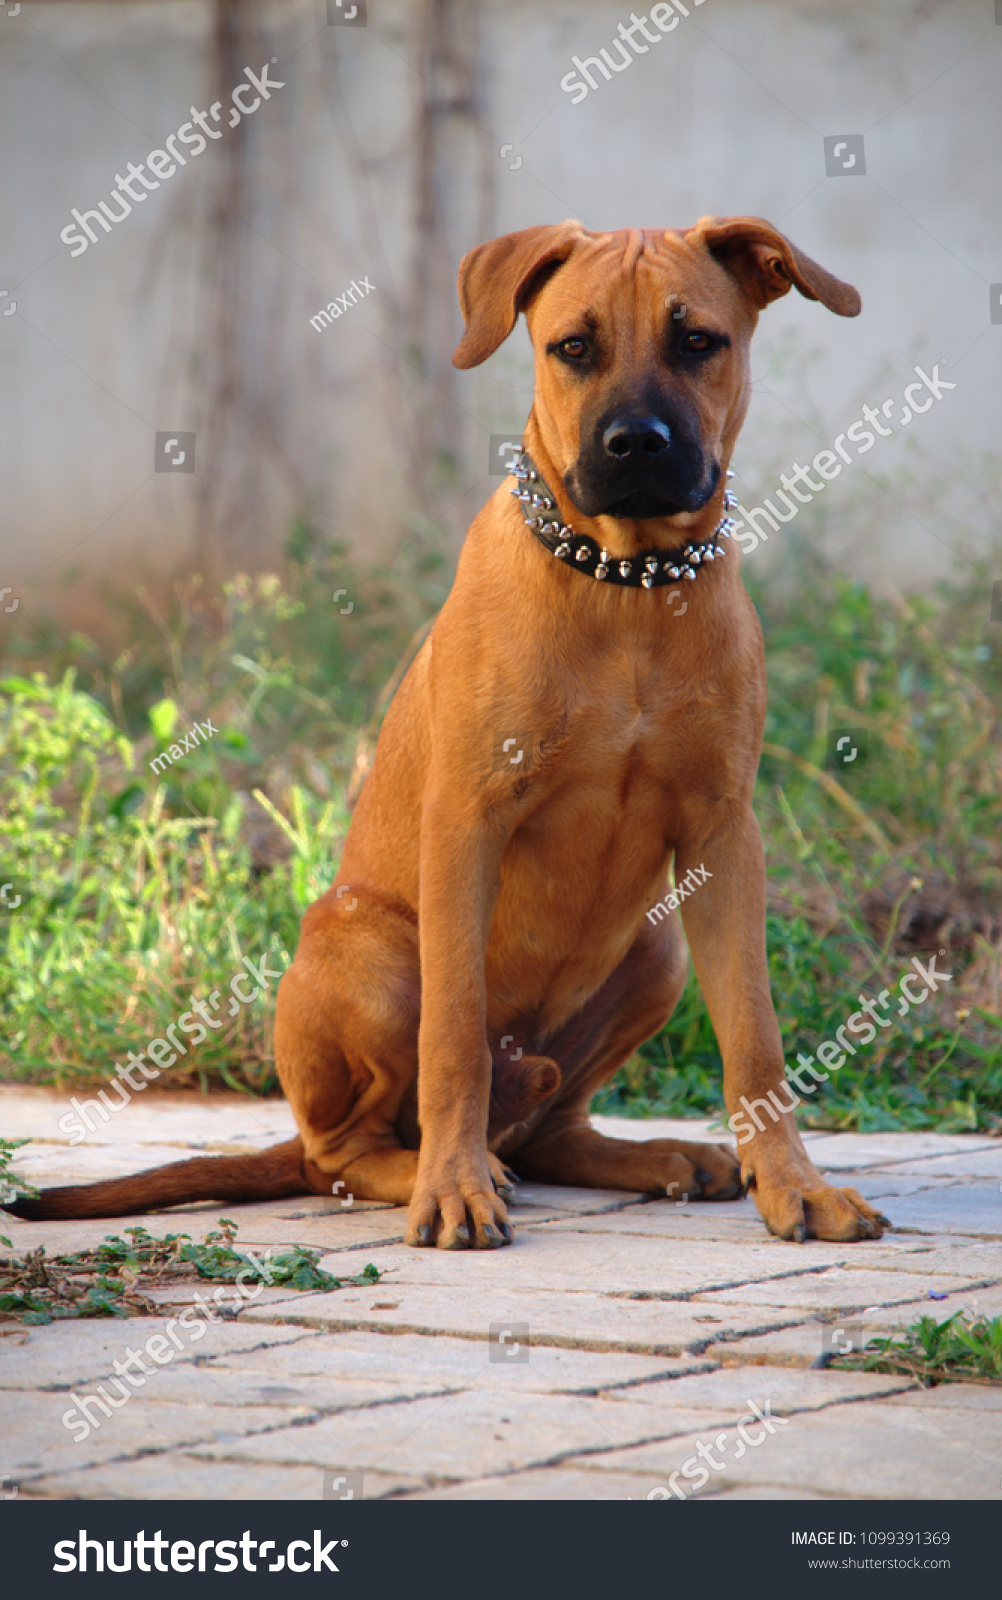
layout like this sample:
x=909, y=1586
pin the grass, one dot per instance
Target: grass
x=963, y=1349
x=111, y=1280
x=140, y=892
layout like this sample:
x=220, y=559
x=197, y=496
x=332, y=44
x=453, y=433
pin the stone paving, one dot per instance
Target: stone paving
x=643, y=1336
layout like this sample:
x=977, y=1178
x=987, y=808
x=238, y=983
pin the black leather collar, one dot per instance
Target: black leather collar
x=650, y=569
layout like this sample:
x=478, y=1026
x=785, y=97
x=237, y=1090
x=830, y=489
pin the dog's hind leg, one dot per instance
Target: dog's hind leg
x=346, y=1030
x=346, y=1044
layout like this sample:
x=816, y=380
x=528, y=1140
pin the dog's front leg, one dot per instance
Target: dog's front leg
x=724, y=919
x=455, y=1204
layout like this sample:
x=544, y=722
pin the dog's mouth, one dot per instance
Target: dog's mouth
x=640, y=504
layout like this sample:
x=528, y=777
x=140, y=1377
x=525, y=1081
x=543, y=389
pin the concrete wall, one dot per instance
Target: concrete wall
x=380, y=158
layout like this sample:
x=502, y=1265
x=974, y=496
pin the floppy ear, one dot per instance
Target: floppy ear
x=496, y=280
x=766, y=264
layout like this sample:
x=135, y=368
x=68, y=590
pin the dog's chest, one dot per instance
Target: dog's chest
x=637, y=722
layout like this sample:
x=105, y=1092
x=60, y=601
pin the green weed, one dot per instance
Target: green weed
x=963, y=1349
x=110, y=1280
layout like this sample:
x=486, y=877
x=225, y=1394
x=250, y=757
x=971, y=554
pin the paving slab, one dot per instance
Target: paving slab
x=942, y=1206
x=735, y=1223
x=770, y=1491
x=612, y=1264
x=543, y=1483
x=534, y=1198
x=409, y=1359
x=839, y=1289
x=173, y=1475
x=980, y=1163
x=785, y=1390
x=399, y=1374
x=798, y=1346
x=883, y=1186
x=476, y=1434
x=185, y=1118
x=840, y=1152
x=36, y=1441
x=592, y=1322
x=732, y=1221
x=257, y=1385
x=51, y=1165
x=958, y=1396
x=565, y=1483
x=878, y=1449
x=64, y=1354
x=978, y=1302
x=957, y=1256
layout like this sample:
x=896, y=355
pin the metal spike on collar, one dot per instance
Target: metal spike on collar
x=647, y=570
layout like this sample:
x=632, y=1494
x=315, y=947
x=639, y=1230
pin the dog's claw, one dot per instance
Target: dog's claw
x=462, y=1239
x=733, y=1191
x=505, y=1232
x=799, y=1233
x=487, y=1233
x=424, y=1234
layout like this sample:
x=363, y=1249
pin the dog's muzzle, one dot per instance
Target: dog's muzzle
x=637, y=463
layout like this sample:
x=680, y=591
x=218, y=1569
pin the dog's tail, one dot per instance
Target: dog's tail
x=273, y=1174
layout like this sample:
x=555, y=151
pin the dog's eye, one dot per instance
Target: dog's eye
x=698, y=343
x=573, y=349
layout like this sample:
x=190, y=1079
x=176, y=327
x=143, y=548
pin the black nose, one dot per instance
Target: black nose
x=631, y=438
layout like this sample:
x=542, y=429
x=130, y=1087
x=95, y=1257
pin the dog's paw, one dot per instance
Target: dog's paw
x=696, y=1171
x=460, y=1208
x=802, y=1211
x=503, y=1178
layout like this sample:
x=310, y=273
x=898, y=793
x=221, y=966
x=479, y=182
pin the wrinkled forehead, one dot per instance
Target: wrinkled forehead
x=631, y=274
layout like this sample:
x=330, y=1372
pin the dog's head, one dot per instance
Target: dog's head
x=641, y=342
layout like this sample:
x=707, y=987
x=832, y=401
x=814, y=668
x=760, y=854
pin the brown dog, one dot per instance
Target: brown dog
x=484, y=961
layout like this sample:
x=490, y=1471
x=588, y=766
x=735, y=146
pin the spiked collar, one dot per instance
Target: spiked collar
x=649, y=569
